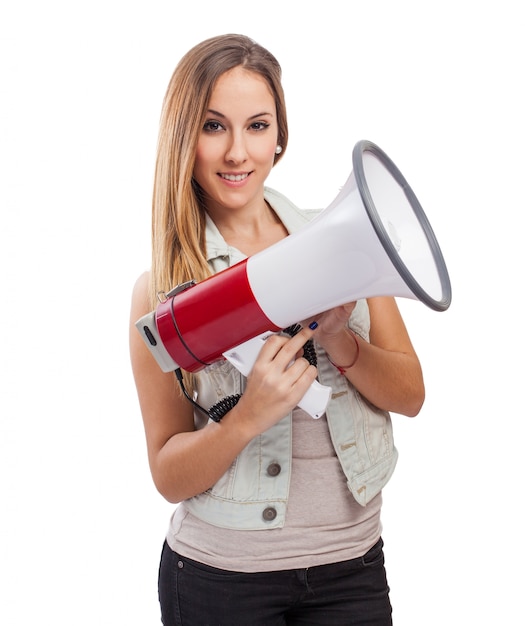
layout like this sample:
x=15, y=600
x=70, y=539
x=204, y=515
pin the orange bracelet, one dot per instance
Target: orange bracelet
x=343, y=368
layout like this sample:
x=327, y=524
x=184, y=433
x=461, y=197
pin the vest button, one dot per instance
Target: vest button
x=274, y=469
x=269, y=514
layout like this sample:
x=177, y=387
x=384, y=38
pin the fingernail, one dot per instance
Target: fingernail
x=313, y=325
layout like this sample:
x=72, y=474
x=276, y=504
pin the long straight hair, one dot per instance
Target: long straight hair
x=178, y=212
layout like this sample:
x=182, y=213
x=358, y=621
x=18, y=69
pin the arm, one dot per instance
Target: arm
x=185, y=461
x=387, y=372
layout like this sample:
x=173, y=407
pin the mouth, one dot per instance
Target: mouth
x=235, y=178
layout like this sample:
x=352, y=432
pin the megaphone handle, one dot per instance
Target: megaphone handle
x=315, y=400
x=243, y=356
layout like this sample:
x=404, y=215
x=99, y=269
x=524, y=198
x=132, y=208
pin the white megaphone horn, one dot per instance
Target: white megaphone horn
x=374, y=239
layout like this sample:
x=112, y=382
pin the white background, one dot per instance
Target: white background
x=437, y=85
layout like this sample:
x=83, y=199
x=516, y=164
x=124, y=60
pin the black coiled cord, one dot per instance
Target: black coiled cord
x=219, y=410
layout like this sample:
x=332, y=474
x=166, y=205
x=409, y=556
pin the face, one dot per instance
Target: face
x=236, y=148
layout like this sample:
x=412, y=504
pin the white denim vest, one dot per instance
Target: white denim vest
x=253, y=493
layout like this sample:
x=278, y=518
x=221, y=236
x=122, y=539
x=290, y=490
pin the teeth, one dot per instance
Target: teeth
x=233, y=178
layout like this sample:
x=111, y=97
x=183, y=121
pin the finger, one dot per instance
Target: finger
x=271, y=346
x=300, y=375
x=294, y=346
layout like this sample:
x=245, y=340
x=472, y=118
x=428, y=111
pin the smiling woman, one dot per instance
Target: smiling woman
x=178, y=199
x=279, y=515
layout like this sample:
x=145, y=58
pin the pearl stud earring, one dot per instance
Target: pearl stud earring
x=278, y=149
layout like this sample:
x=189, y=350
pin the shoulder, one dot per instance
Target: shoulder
x=140, y=292
x=143, y=280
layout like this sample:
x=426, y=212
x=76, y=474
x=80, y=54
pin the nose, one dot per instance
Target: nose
x=237, y=150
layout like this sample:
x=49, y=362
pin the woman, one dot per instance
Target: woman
x=279, y=514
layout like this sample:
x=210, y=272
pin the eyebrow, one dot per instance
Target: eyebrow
x=252, y=117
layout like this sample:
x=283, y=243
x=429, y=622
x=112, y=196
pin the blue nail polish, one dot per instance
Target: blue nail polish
x=313, y=325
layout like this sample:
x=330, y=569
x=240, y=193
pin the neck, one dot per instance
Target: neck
x=250, y=229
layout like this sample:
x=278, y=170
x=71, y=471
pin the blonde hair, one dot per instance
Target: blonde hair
x=178, y=214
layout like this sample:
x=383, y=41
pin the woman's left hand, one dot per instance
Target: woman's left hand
x=385, y=369
x=332, y=323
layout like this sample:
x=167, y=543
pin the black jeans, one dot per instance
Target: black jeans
x=353, y=593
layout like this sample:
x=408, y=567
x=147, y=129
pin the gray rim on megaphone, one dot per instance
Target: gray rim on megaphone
x=363, y=148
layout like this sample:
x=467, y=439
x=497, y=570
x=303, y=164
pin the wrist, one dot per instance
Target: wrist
x=346, y=360
x=239, y=427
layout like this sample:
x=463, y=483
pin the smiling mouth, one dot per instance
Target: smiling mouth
x=235, y=178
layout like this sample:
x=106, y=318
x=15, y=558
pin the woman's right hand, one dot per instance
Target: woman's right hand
x=278, y=381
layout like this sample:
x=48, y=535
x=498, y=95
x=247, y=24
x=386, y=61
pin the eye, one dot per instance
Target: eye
x=212, y=126
x=258, y=126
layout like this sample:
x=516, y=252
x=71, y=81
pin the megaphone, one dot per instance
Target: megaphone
x=374, y=239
